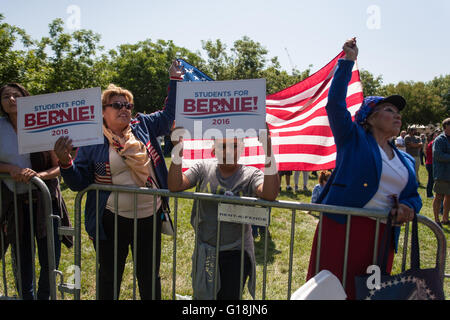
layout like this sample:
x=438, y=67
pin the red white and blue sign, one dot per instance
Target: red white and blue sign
x=221, y=105
x=42, y=119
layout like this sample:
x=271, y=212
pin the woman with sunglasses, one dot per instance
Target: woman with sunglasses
x=131, y=156
x=370, y=173
x=22, y=168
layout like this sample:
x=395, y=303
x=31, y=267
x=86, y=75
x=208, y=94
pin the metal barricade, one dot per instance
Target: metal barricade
x=35, y=184
x=293, y=207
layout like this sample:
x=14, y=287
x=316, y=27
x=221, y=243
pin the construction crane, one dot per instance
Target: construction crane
x=290, y=60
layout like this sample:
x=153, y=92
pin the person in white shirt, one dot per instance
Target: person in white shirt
x=400, y=141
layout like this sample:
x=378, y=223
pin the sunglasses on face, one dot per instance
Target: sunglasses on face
x=120, y=105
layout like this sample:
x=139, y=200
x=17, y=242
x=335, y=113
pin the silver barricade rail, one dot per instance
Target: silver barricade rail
x=47, y=202
x=247, y=201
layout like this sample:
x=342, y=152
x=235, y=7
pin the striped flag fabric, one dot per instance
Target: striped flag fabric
x=299, y=124
x=301, y=136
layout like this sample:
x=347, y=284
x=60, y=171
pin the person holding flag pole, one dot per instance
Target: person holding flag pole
x=369, y=170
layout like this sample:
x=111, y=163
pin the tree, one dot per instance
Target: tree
x=278, y=79
x=423, y=106
x=143, y=67
x=247, y=60
x=73, y=62
x=371, y=84
x=218, y=64
x=441, y=86
x=12, y=62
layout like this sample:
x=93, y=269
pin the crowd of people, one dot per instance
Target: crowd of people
x=436, y=161
x=370, y=167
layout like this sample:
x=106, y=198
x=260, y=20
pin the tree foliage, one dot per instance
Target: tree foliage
x=143, y=68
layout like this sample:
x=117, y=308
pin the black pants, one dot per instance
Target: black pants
x=26, y=256
x=230, y=274
x=144, y=259
x=430, y=180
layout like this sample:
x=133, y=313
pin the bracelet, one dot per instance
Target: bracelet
x=65, y=166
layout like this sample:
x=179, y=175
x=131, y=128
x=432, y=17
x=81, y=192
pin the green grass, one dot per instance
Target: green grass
x=277, y=259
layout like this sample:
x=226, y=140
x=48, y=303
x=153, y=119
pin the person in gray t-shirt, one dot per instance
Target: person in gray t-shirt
x=228, y=178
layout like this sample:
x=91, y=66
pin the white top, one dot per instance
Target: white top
x=394, y=177
x=121, y=175
x=400, y=143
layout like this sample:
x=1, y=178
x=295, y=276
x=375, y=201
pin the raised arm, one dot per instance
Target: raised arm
x=161, y=121
x=270, y=188
x=177, y=180
x=338, y=116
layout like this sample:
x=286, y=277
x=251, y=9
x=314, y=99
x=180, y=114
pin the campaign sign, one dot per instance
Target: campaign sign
x=220, y=106
x=42, y=119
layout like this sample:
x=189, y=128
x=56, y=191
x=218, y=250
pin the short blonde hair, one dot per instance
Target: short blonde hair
x=114, y=90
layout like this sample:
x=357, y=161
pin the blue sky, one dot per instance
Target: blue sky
x=398, y=39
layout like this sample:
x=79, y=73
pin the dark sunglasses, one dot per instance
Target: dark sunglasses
x=120, y=105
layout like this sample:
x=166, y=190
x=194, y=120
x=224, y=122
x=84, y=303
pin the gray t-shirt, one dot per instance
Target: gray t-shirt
x=206, y=176
x=414, y=151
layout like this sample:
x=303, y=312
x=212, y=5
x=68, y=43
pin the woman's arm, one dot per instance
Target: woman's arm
x=75, y=172
x=17, y=173
x=161, y=121
x=53, y=172
x=338, y=116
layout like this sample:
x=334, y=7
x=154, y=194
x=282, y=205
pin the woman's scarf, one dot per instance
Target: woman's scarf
x=133, y=152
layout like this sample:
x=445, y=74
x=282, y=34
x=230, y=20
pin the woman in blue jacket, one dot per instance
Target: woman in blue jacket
x=369, y=170
x=131, y=156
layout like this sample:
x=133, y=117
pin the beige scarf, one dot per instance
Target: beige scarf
x=133, y=153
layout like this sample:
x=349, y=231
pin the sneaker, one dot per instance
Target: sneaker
x=288, y=188
x=296, y=188
x=305, y=188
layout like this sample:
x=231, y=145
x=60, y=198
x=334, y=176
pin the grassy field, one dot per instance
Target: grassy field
x=277, y=259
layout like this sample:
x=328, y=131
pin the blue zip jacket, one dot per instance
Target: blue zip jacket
x=91, y=164
x=356, y=177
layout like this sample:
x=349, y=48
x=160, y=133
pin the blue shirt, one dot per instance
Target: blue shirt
x=9, y=153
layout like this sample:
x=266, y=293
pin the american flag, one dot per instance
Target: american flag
x=192, y=73
x=301, y=136
x=102, y=173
